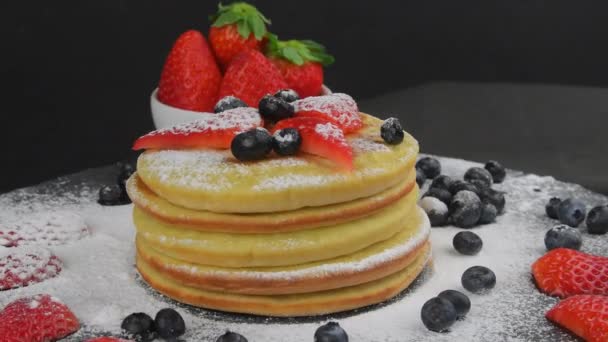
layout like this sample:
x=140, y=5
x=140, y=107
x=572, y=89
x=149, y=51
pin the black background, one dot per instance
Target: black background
x=76, y=75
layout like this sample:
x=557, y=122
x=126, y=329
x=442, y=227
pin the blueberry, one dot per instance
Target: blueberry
x=430, y=166
x=436, y=210
x=112, y=195
x=442, y=182
x=467, y=243
x=479, y=185
x=479, y=174
x=169, y=323
x=494, y=197
x=254, y=144
x=287, y=95
x=563, y=236
x=465, y=209
x=459, y=185
x=286, y=141
x=488, y=213
x=230, y=336
x=597, y=220
x=552, y=207
x=438, y=314
x=420, y=177
x=497, y=171
x=461, y=302
x=331, y=332
x=478, y=279
x=275, y=109
x=124, y=173
x=392, y=131
x=228, y=102
x=139, y=326
x=441, y=194
x=571, y=212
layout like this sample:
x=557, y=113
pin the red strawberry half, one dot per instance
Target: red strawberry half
x=236, y=27
x=250, y=76
x=24, y=266
x=322, y=138
x=39, y=318
x=211, y=131
x=584, y=315
x=339, y=108
x=300, y=62
x=44, y=228
x=190, y=78
x=565, y=272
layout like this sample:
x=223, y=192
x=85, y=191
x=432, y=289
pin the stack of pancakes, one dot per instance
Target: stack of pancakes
x=284, y=236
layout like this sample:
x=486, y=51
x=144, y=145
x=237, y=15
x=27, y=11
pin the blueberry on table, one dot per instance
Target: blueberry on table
x=254, y=144
x=571, y=212
x=436, y=210
x=478, y=279
x=480, y=174
x=497, y=171
x=488, y=213
x=139, y=326
x=552, y=207
x=331, y=332
x=465, y=209
x=275, y=109
x=287, y=95
x=438, y=314
x=112, y=195
x=442, y=182
x=124, y=173
x=459, y=185
x=420, y=177
x=169, y=324
x=494, y=197
x=392, y=131
x=461, y=302
x=286, y=141
x=228, y=102
x=430, y=166
x=597, y=220
x=230, y=336
x=563, y=236
x=441, y=194
x=467, y=243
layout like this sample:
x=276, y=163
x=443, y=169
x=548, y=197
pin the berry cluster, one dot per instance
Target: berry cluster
x=116, y=194
x=167, y=324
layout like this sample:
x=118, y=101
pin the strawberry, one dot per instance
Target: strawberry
x=108, y=339
x=24, y=266
x=212, y=131
x=565, y=272
x=45, y=228
x=300, y=62
x=190, y=78
x=322, y=138
x=584, y=315
x=39, y=318
x=339, y=108
x=235, y=28
x=250, y=76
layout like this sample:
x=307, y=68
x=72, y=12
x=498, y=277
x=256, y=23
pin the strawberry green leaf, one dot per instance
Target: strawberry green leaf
x=298, y=51
x=292, y=55
x=257, y=26
x=246, y=17
x=225, y=19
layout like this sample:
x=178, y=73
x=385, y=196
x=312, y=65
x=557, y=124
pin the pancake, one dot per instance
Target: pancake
x=305, y=218
x=314, y=303
x=214, y=180
x=290, y=248
x=374, y=262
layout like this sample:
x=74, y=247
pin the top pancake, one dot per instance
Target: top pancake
x=214, y=180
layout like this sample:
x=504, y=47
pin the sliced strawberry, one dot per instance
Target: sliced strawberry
x=39, y=318
x=190, y=78
x=322, y=138
x=250, y=76
x=24, y=266
x=565, y=272
x=340, y=108
x=584, y=315
x=211, y=131
x=45, y=228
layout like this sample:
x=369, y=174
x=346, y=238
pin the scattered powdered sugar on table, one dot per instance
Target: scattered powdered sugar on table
x=100, y=284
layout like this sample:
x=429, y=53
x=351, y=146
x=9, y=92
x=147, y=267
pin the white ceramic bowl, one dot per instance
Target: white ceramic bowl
x=166, y=116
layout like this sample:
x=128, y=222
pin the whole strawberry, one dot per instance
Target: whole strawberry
x=39, y=318
x=250, y=76
x=300, y=62
x=190, y=78
x=236, y=27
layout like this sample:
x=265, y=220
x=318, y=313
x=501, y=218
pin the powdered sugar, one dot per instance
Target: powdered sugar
x=22, y=266
x=340, y=107
x=329, y=131
x=43, y=228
